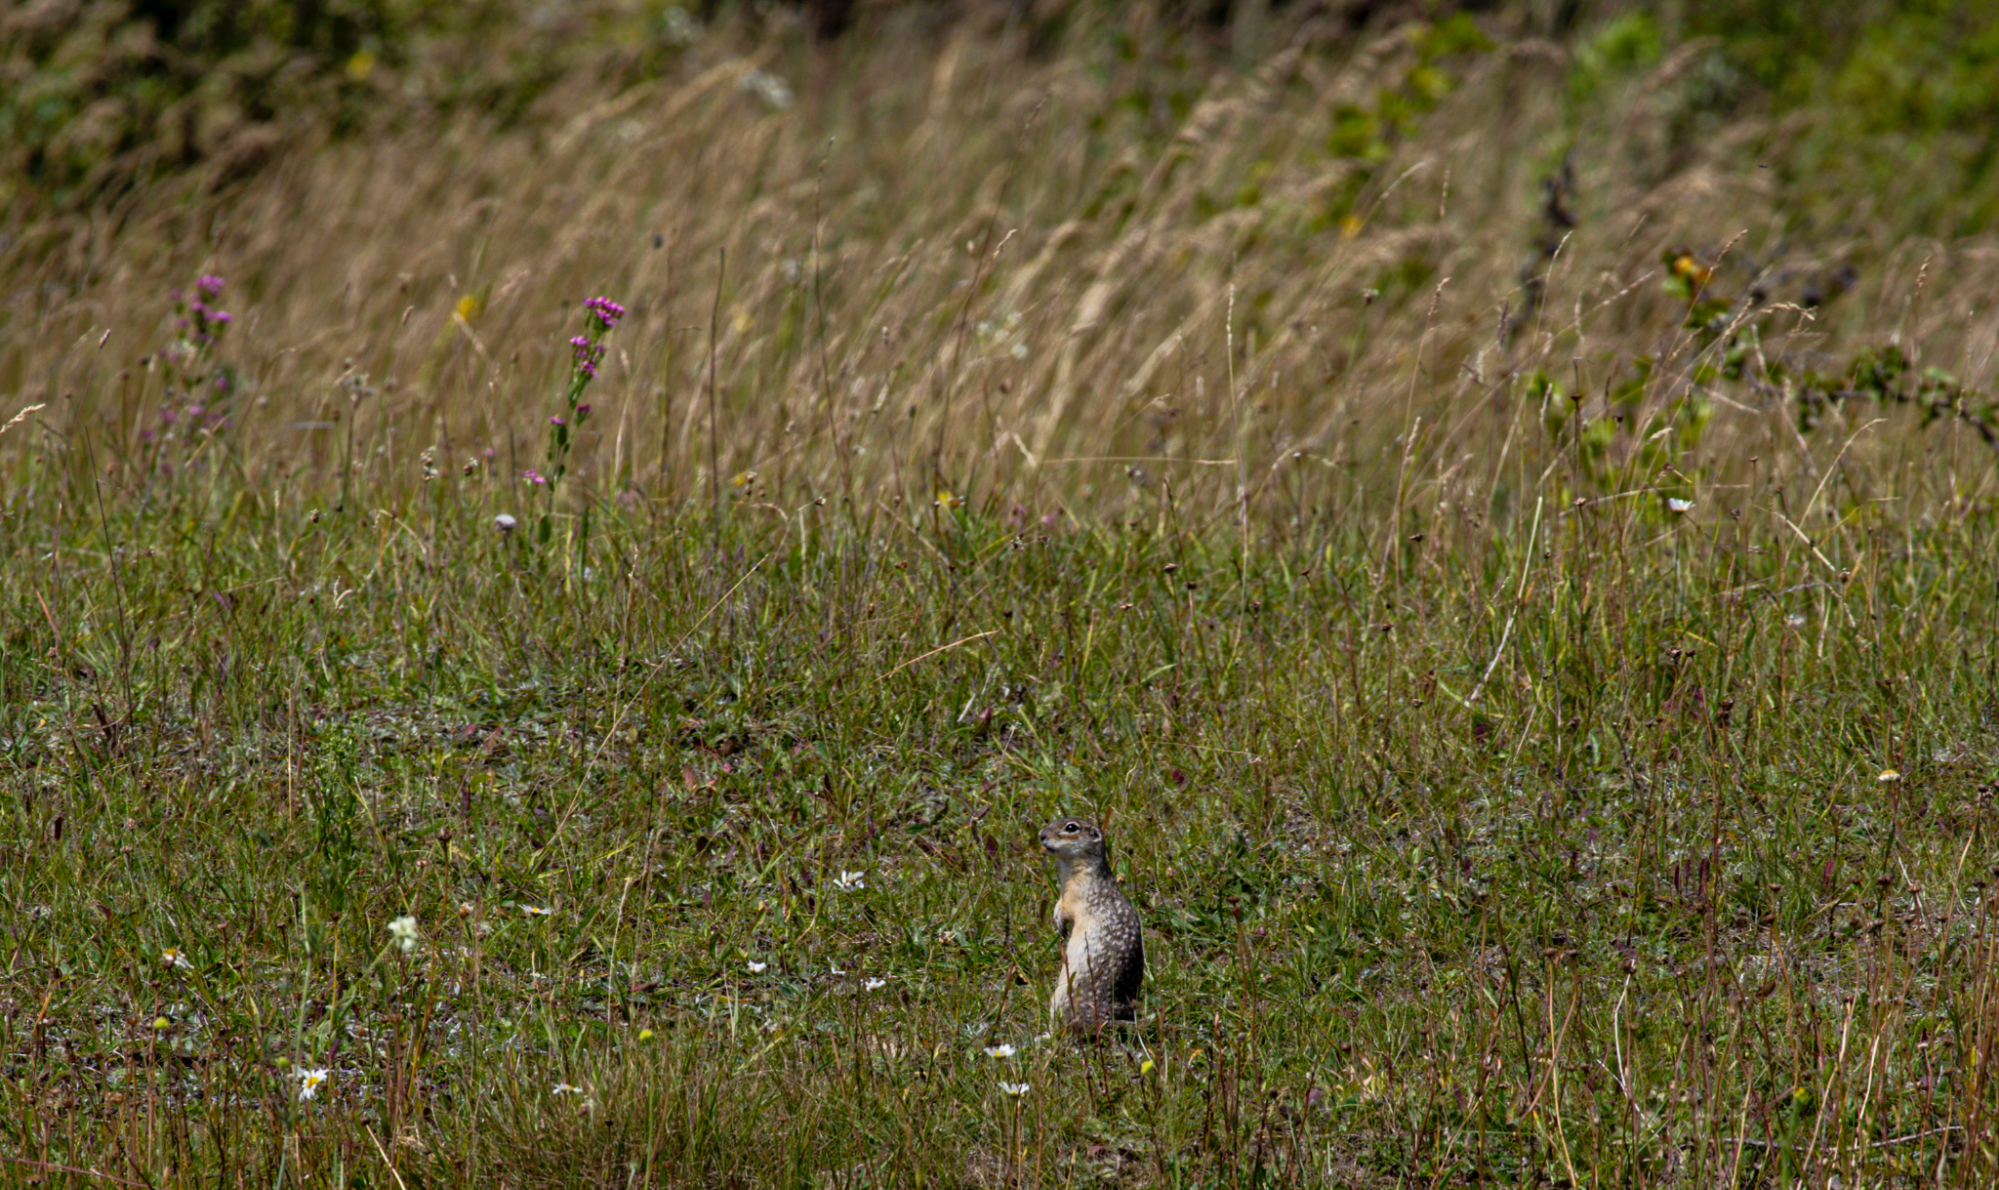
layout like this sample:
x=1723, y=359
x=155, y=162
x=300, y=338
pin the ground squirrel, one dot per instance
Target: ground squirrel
x=1103, y=954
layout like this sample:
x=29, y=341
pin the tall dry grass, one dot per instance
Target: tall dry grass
x=955, y=265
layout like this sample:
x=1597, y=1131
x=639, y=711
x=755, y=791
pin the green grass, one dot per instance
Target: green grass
x=1554, y=847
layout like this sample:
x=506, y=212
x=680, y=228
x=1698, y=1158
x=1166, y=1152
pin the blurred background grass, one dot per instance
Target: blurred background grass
x=960, y=247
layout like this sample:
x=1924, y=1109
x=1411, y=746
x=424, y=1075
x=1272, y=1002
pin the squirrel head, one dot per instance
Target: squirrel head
x=1072, y=841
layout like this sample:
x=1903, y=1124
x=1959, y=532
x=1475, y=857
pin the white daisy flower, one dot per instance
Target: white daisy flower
x=1000, y=1051
x=874, y=985
x=1014, y=1089
x=310, y=1081
x=758, y=968
x=850, y=881
x=1675, y=504
x=174, y=956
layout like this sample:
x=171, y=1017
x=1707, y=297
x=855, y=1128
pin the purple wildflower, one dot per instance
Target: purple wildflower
x=582, y=411
x=606, y=311
x=532, y=476
x=587, y=355
x=209, y=285
x=556, y=421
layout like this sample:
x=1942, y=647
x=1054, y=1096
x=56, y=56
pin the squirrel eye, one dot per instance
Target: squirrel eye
x=1071, y=826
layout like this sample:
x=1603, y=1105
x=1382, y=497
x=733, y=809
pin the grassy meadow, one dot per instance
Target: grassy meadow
x=1499, y=526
